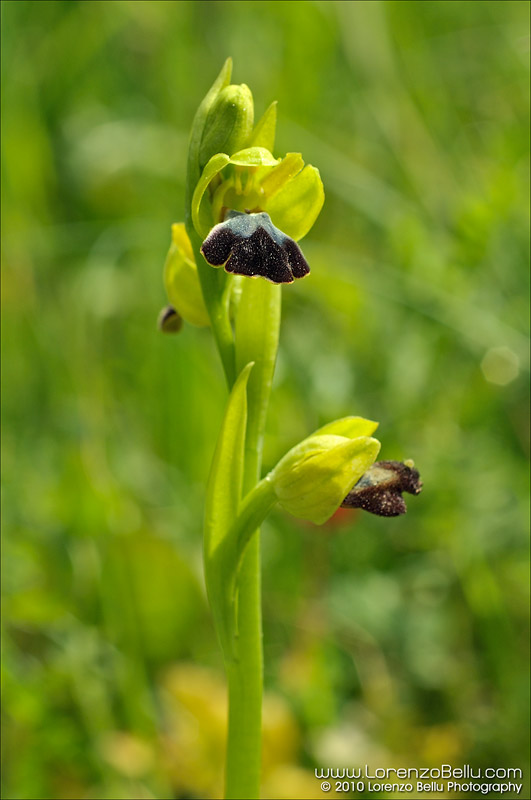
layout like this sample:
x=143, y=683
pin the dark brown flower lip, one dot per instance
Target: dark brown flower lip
x=379, y=490
x=250, y=245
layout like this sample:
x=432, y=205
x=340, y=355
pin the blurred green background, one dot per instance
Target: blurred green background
x=397, y=642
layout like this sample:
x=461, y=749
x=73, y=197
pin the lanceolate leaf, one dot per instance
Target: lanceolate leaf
x=222, y=503
x=257, y=331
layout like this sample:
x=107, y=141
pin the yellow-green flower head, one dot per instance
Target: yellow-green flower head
x=253, y=180
x=313, y=479
x=231, y=165
x=181, y=279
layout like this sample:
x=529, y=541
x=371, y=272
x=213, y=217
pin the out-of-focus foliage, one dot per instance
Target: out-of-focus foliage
x=396, y=642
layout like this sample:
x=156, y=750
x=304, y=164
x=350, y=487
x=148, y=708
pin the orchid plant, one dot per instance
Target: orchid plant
x=246, y=210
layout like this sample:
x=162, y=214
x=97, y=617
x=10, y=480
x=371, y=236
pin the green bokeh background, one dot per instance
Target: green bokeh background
x=390, y=642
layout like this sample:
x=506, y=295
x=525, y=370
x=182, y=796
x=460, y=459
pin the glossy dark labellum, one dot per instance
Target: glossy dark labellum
x=379, y=490
x=249, y=244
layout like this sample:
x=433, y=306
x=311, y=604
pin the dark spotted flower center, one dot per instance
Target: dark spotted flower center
x=379, y=490
x=249, y=244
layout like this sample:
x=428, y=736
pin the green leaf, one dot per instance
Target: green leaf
x=223, y=497
x=297, y=206
x=264, y=132
x=256, y=338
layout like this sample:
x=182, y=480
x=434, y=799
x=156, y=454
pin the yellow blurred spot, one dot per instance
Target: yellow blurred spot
x=292, y=783
x=281, y=738
x=193, y=743
x=500, y=365
x=128, y=754
x=441, y=743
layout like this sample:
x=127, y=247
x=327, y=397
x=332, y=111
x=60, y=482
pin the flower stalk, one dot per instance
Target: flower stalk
x=245, y=212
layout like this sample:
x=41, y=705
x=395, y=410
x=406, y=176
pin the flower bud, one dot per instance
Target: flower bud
x=169, y=320
x=379, y=490
x=229, y=123
x=181, y=279
x=310, y=481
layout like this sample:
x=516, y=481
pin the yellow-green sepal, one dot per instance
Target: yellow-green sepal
x=351, y=427
x=315, y=476
x=181, y=279
x=295, y=208
x=264, y=132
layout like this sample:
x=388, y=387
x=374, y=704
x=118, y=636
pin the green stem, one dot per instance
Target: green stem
x=245, y=678
x=254, y=509
x=257, y=332
x=232, y=551
x=217, y=304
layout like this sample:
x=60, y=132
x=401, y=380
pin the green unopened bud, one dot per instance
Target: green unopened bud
x=313, y=479
x=229, y=123
x=198, y=126
x=169, y=320
x=181, y=279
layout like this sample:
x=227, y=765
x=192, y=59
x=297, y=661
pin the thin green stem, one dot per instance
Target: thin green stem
x=217, y=304
x=254, y=509
x=257, y=332
x=245, y=679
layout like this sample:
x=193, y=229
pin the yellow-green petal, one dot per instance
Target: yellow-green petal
x=201, y=209
x=276, y=178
